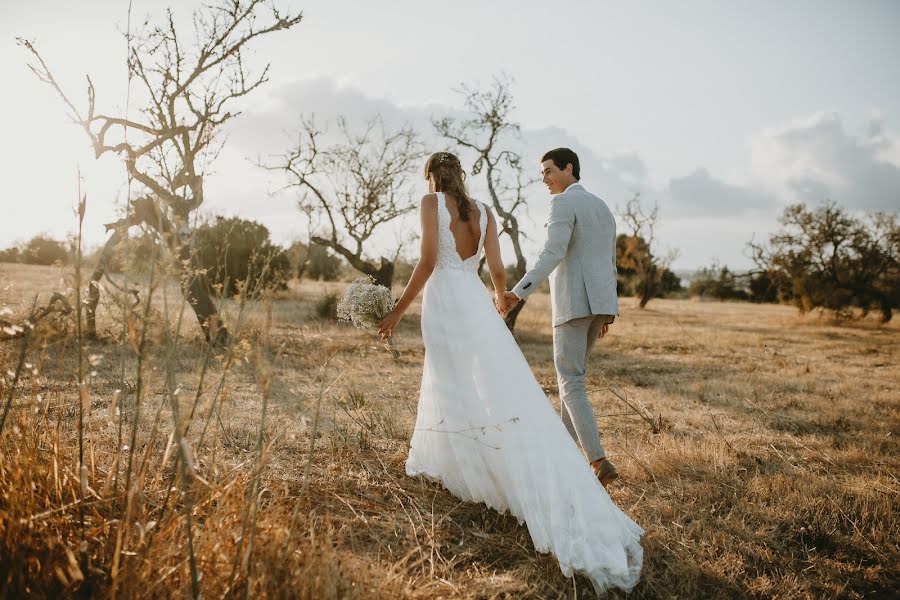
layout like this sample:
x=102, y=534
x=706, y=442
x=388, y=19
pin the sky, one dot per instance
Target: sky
x=722, y=113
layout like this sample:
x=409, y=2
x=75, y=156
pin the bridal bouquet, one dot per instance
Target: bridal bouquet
x=365, y=304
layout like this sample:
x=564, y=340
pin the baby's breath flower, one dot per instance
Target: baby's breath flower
x=365, y=304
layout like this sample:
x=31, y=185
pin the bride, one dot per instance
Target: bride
x=484, y=427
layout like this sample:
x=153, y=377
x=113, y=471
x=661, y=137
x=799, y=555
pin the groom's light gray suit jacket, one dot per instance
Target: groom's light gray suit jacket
x=581, y=255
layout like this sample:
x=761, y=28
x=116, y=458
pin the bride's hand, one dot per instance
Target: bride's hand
x=386, y=327
x=505, y=302
x=499, y=302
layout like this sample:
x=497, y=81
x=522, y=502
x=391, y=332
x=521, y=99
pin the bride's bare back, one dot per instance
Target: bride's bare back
x=467, y=234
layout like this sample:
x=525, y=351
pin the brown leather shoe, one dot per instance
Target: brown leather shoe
x=606, y=472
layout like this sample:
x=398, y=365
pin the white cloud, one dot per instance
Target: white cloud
x=815, y=158
x=702, y=195
x=808, y=160
x=267, y=131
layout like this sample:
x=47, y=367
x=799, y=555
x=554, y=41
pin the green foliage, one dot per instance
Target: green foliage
x=669, y=283
x=314, y=261
x=717, y=282
x=828, y=258
x=239, y=257
x=326, y=307
x=40, y=250
x=638, y=273
x=131, y=255
x=767, y=286
x=10, y=255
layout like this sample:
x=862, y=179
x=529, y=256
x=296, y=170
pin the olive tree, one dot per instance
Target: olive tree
x=187, y=89
x=356, y=185
x=486, y=132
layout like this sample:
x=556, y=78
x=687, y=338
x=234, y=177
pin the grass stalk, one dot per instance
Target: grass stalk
x=20, y=363
x=84, y=394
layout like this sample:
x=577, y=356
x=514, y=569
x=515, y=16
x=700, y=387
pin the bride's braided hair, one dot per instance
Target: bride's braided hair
x=449, y=177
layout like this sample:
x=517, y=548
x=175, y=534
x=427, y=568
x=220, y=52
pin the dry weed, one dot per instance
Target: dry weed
x=759, y=451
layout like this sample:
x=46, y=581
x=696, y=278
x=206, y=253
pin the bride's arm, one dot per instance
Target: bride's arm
x=424, y=268
x=492, y=255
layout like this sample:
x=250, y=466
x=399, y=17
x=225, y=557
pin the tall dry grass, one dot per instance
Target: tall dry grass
x=758, y=450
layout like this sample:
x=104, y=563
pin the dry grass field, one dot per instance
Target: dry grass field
x=758, y=449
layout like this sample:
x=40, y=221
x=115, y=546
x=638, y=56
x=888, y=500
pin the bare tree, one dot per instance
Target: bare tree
x=187, y=90
x=357, y=184
x=637, y=252
x=485, y=133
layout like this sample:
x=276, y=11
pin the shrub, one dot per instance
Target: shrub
x=717, y=282
x=828, y=258
x=239, y=256
x=314, y=261
x=134, y=254
x=44, y=250
x=640, y=273
x=768, y=286
x=10, y=255
x=326, y=306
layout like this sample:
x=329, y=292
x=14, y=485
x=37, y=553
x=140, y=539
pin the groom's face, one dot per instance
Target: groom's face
x=556, y=179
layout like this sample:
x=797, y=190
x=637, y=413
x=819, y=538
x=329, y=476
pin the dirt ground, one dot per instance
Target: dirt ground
x=758, y=449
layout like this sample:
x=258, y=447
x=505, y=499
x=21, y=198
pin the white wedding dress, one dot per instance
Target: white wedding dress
x=487, y=432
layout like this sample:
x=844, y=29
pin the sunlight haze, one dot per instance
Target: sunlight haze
x=723, y=113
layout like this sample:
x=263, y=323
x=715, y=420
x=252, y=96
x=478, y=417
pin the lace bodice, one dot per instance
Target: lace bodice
x=448, y=257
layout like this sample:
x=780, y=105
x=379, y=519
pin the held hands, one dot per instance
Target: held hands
x=505, y=302
x=603, y=331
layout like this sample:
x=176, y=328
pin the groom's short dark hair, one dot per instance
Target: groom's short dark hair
x=562, y=157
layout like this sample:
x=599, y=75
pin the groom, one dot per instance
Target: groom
x=580, y=252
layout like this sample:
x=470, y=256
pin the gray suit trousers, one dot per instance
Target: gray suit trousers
x=572, y=343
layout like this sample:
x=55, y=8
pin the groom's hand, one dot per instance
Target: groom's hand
x=603, y=331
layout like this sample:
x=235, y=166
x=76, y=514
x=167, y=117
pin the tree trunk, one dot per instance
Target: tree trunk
x=193, y=278
x=301, y=268
x=887, y=310
x=647, y=289
x=648, y=285
x=518, y=274
x=196, y=289
x=512, y=315
x=646, y=296
x=94, y=285
x=194, y=284
x=383, y=274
